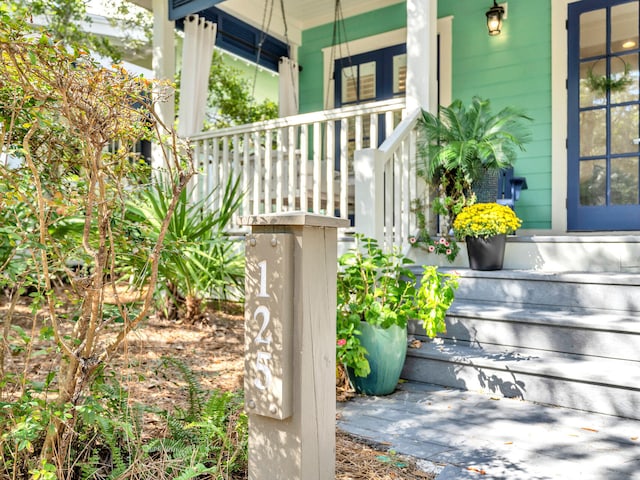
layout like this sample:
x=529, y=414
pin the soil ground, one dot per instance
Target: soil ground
x=213, y=350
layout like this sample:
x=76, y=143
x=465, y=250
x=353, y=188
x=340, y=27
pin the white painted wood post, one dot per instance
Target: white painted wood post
x=290, y=368
x=369, y=192
x=421, y=82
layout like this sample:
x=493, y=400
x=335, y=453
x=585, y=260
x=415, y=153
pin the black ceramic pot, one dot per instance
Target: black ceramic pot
x=486, y=253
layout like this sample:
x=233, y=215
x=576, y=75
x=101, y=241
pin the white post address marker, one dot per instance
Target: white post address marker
x=290, y=327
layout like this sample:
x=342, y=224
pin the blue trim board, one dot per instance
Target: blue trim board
x=181, y=8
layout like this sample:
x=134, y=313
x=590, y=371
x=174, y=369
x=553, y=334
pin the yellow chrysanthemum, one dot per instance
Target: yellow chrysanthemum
x=485, y=220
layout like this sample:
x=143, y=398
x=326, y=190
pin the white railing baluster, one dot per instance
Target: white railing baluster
x=236, y=168
x=246, y=175
x=215, y=173
x=373, y=131
x=291, y=160
x=197, y=162
x=405, y=191
x=268, y=171
x=205, y=182
x=317, y=166
x=226, y=168
x=257, y=173
x=344, y=168
x=304, y=158
x=279, y=170
x=388, y=202
x=330, y=166
x=358, y=132
x=388, y=124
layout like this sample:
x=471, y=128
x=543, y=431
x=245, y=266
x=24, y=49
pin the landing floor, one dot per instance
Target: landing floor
x=467, y=435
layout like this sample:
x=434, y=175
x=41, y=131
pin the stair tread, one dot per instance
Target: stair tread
x=606, y=278
x=574, y=317
x=582, y=368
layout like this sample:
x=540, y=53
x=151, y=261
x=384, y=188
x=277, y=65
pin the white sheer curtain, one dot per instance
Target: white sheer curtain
x=288, y=82
x=197, y=53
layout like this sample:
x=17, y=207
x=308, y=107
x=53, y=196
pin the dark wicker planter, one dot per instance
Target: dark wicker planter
x=486, y=187
x=486, y=253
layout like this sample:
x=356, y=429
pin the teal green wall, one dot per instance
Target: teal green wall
x=312, y=92
x=513, y=68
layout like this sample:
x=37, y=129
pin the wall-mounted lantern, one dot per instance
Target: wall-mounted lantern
x=494, y=18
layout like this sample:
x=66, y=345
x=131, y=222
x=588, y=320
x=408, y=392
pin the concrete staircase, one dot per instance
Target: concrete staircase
x=567, y=339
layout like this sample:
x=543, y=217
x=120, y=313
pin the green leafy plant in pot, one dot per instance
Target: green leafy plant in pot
x=484, y=227
x=461, y=145
x=377, y=295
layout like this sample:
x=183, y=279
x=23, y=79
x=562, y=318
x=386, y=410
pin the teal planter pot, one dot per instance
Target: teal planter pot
x=387, y=349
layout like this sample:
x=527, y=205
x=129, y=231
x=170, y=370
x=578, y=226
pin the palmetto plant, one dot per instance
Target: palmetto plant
x=471, y=140
x=199, y=261
x=460, y=144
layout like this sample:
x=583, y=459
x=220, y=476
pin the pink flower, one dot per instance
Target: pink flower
x=443, y=240
x=341, y=342
x=446, y=244
x=431, y=249
x=413, y=240
x=448, y=252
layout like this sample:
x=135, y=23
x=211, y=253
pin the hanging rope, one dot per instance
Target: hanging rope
x=286, y=38
x=266, y=25
x=338, y=40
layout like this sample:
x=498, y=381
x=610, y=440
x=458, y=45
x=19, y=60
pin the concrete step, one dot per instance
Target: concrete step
x=603, y=291
x=566, y=330
x=596, y=384
x=559, y=253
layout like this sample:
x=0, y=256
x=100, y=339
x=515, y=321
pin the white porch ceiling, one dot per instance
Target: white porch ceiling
x=300, y=14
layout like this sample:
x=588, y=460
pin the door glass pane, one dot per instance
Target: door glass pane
x=590, y=74
x=593, y=33
x=593, y=133
x=349, y=84
x=593, y=182
x=367, y=81
x=399, y=73
x=624, y=70
x=624, y=27
x=624, y=181
x=624, y=129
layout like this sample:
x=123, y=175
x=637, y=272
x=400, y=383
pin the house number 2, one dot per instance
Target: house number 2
x=268, y=324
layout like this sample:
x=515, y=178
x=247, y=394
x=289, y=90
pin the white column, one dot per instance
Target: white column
x=164, y=66
x=422, y=88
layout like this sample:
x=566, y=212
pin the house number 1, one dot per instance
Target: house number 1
x=268, y=324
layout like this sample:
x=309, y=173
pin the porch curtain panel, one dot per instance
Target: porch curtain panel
x=197, y=54
x=288, y=83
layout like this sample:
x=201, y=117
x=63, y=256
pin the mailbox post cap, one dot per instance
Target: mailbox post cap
x=294, y=218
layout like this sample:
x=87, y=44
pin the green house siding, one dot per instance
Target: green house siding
x=513, y=68
x=312, y=91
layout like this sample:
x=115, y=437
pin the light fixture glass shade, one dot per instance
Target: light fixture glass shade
x=494, y=19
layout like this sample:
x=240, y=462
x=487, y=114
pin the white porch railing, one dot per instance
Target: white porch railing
x=387, y=185
x=304, y=162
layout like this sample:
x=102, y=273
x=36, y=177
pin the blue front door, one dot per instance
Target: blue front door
x=603, y=126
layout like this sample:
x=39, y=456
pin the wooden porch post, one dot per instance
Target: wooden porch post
x=422, y=87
